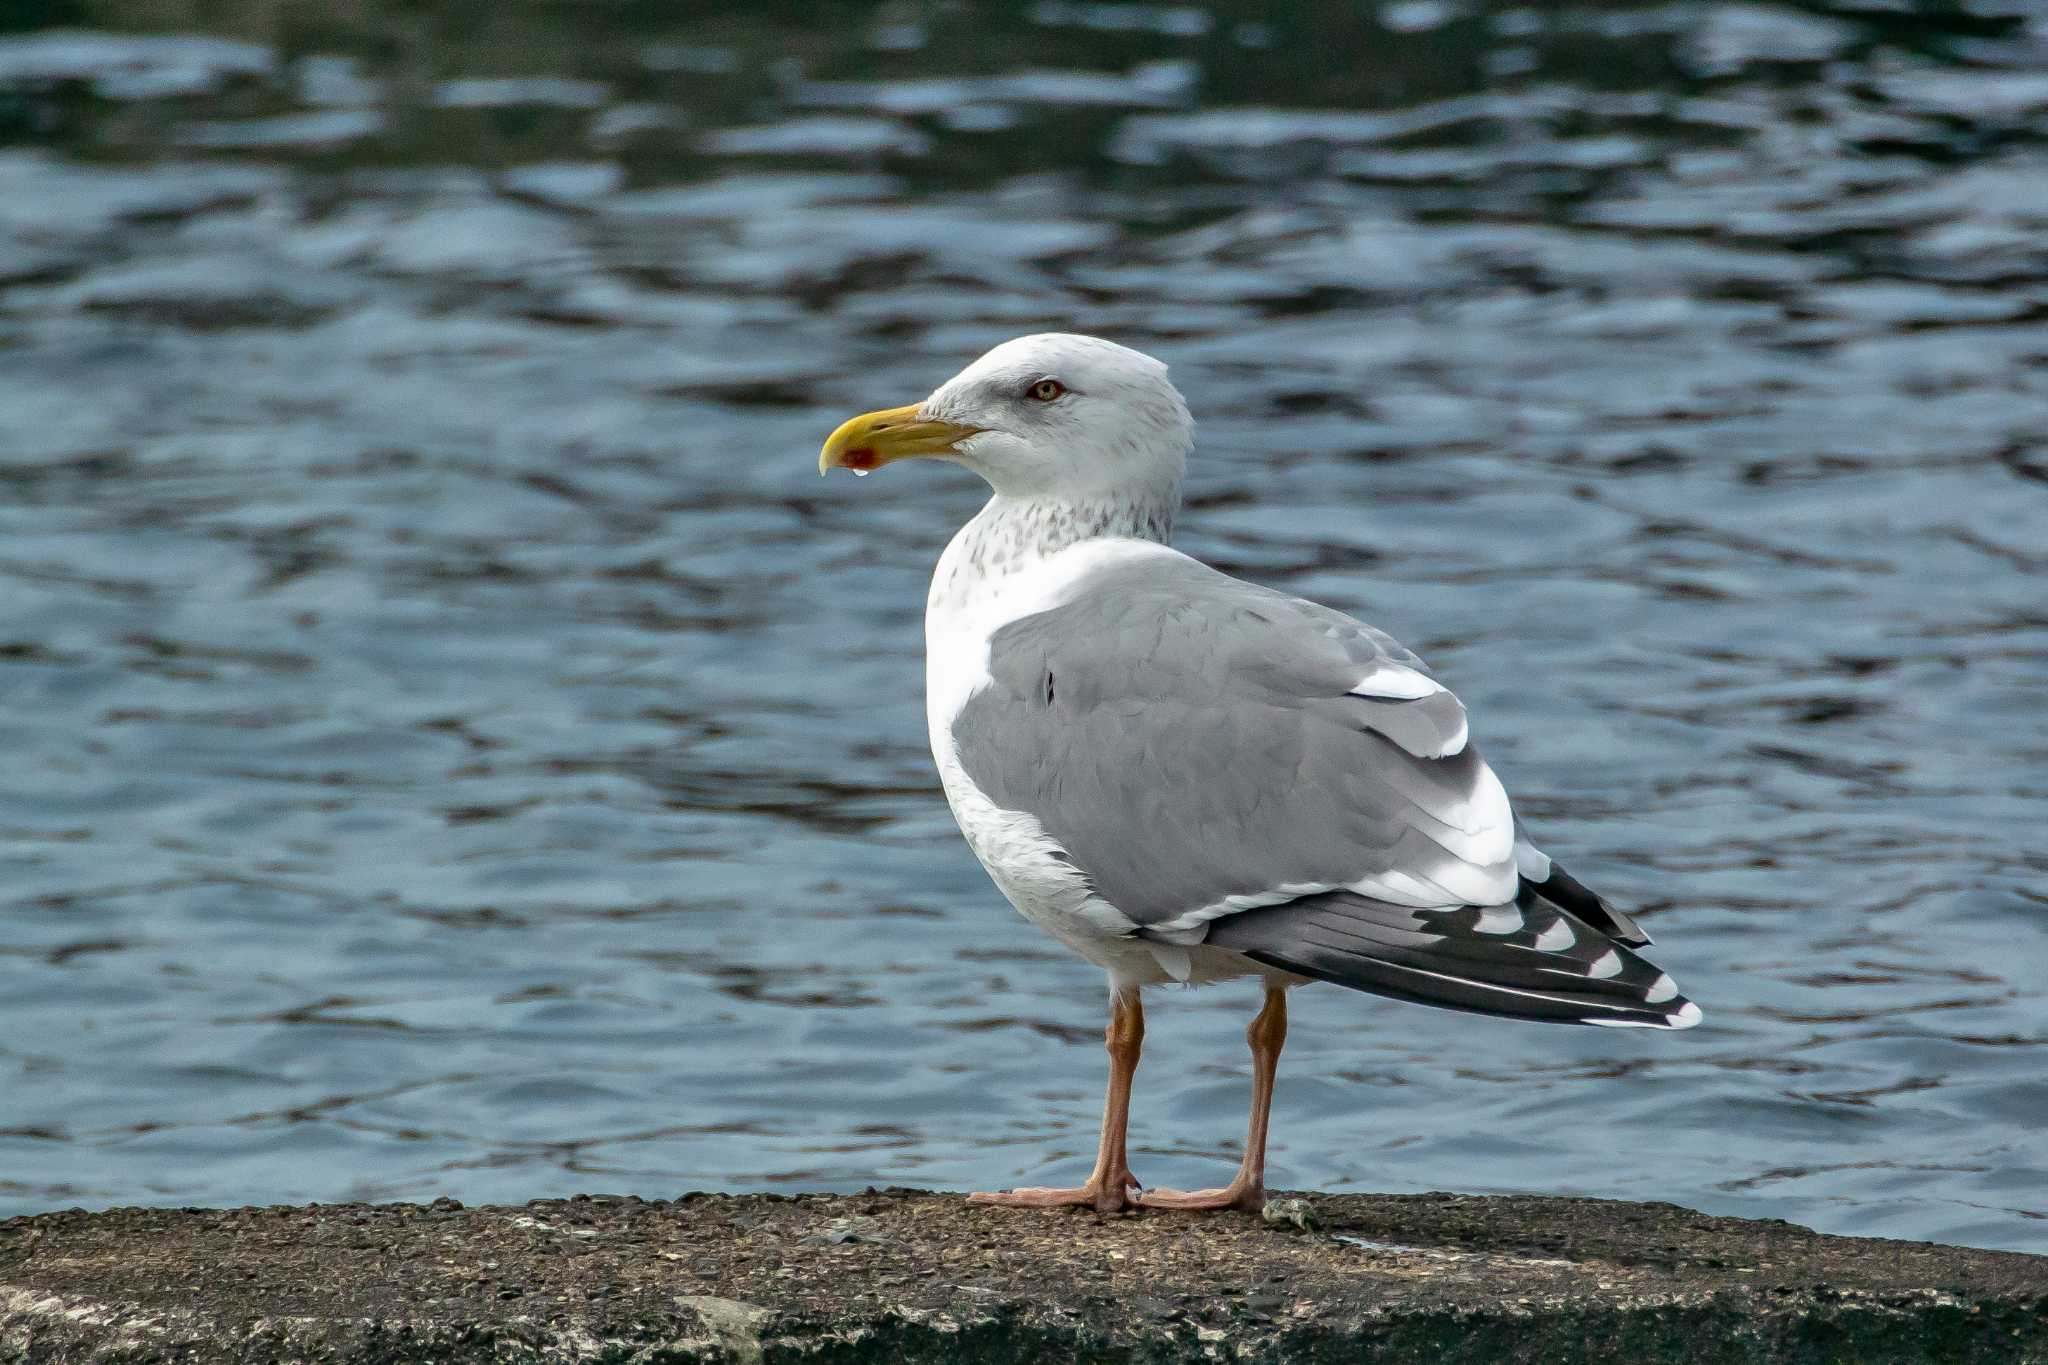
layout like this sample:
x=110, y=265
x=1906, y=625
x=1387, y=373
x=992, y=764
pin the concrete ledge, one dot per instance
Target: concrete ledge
x=907, y=1276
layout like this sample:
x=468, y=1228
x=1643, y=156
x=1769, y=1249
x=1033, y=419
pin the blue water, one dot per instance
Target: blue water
x=458, y=746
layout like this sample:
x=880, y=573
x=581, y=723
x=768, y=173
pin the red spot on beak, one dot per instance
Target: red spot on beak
x=860, y=457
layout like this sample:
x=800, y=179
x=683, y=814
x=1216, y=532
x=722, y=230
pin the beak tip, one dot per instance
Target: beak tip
x=865, y=443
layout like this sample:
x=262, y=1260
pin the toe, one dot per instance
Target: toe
x=1230, y=1198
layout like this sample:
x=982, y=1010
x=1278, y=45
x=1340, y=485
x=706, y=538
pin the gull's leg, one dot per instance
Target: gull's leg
x=1107, y=1185
x=1267, y=1035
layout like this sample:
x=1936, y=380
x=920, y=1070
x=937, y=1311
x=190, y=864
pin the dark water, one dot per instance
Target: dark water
x=457, y=745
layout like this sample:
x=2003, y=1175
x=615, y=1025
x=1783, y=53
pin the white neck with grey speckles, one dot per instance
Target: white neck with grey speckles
x=1011, y=534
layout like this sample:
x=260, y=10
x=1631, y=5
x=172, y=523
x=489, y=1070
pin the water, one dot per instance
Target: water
x=458, y=746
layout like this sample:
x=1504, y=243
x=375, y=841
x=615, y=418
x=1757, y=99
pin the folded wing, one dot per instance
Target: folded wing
x=1231, y=765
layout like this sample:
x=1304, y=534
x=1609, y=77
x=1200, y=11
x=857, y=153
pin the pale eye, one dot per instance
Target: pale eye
x=1045, y=390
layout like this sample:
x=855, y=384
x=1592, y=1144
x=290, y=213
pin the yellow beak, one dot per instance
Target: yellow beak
x=873, y=439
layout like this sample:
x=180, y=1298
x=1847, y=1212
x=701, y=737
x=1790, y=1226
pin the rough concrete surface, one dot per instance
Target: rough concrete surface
x=909, y=1276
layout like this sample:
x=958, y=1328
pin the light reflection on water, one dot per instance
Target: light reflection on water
x=459, y=747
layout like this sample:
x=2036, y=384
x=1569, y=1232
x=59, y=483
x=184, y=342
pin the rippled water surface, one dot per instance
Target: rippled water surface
x=456, y=745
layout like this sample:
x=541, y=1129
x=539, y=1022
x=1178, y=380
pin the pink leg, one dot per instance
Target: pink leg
x=1267, y=1035
x=1108, y=1186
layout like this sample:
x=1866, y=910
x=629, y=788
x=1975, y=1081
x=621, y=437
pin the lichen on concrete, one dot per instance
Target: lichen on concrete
x=909, y=1276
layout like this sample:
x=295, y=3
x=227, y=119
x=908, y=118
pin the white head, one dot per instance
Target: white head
x=1048, y=415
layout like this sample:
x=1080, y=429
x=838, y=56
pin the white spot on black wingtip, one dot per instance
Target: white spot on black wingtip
x=1662, y=989
x=1669, y=1021
x=1556, y=938
x=1606, y=965
x=1685, y=1016
x=1532, y=862
x=1498, y=919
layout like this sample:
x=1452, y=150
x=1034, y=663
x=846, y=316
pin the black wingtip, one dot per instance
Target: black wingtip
x=1534, y=962
x=1573, y=896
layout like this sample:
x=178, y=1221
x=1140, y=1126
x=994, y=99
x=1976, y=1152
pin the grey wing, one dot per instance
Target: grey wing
x=1229, y=764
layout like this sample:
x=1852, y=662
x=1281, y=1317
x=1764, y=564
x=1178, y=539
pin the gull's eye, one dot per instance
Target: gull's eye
x=1045, y=390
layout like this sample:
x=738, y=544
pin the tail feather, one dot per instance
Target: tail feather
x=1527, y=959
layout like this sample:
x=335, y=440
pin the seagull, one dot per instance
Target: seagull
x=1188, y=778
